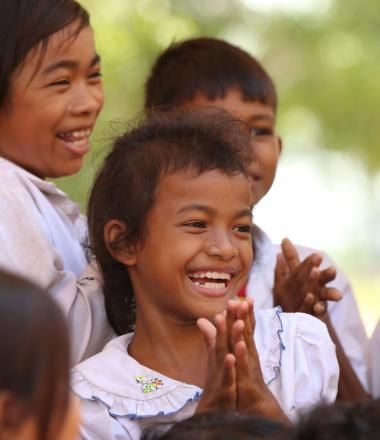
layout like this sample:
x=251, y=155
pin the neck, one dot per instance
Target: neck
x=173, y=348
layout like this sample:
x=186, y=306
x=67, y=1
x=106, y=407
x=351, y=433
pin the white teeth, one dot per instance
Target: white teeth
x=81, y=133
x=212, y=286
x=75, y=136
x=79, y=143
x=213, y=275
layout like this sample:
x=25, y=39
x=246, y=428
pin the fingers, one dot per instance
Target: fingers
x=306, y=272
x=320, y=308
x=229, y=371
x=281, y=270
x=327, y=275
x=290, y=253
x=209, y=332
x=330, y=294
x=308, y=303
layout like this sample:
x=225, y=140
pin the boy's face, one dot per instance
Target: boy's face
x=198, y=248
x=51, y=108
x=266, y=145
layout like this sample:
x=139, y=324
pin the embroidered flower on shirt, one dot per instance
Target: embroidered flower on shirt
x=149, y=383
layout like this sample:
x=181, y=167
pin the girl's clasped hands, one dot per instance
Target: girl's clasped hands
x=234, y=380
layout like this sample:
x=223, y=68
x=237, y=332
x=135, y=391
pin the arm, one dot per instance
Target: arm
x=349, y=386
x=28, y=249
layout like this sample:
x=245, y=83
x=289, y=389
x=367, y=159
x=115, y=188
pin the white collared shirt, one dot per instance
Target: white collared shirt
x=41, y=235
x=120, y=397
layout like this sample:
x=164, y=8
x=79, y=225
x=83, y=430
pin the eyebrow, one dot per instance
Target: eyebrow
x=261, y=117
x=69, y=64
x=209, y=210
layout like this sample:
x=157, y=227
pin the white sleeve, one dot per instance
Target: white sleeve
x=375, y=362
x=97, y=424
x=26, y=250
x=309, y=370
x=347, y=323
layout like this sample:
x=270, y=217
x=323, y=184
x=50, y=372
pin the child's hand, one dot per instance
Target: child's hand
x=301, y=286
x=219, y=391
x=253, y=396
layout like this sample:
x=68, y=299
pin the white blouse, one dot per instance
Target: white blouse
x=344, y=314
x=120, y=397
x=375, y=362
x=41, y=235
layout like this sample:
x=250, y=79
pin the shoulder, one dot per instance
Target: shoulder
x=284, y=339
x=126, y=388
x=298, y=360
x=16, y=186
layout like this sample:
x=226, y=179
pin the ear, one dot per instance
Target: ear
x=115, y=233
x=279, y=139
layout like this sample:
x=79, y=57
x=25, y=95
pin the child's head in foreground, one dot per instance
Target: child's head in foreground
x=50, y=88
x=210, y=72
x=218, y=426
x=342, y=421
x=34, y=365
x=170, y=217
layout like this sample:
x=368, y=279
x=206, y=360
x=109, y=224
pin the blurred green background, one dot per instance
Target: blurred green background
x=324, y=56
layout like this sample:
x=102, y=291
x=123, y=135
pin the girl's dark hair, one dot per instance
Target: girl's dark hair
x=34, y=355
x=217, y=426
x=208, y=66
x=28, y=24
x=126, y=185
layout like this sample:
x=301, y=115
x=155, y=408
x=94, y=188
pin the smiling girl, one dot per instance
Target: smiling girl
x=50, y=97
x=171, y=227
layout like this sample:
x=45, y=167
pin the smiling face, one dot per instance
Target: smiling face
x=260, y=118
x=198, y=248
x=52, y=106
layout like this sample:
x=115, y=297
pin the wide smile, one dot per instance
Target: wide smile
x=76, y=141
x=212, y=283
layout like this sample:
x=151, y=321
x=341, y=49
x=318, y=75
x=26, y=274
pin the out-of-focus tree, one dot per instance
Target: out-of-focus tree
x=325, y=60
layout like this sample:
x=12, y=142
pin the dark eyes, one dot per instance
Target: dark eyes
x=246, y=229
x=66, y=81
x=196, y=224
x=96, y=75
x=61, y=82
x=265, y=131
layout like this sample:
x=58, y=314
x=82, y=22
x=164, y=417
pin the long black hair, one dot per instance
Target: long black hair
x=28, y=24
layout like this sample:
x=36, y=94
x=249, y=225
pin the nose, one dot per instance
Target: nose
x=88, y=100
x=222, y=245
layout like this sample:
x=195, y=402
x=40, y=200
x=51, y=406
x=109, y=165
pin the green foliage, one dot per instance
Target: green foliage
x=326, y=64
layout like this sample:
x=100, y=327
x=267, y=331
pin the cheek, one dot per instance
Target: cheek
x=247, y=253
x=99, y=97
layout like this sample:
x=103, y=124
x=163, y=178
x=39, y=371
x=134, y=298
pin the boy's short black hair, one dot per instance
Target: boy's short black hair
x=26, y=24
x=208, y=66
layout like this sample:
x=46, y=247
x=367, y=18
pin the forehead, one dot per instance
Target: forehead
x=69, y=42
x=234, y=103
x=213, y=188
